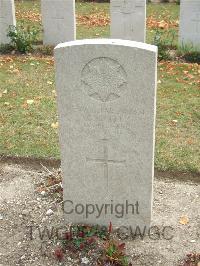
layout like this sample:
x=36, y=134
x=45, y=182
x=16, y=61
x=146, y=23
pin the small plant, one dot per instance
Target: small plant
x=189, y=53
x=5, y=48
x=22, y=38
x=192, y=259
x=93, y=242
x=59, y=254
x=114, y=254
x=164, y=40
x=83, y=237
x=45, y=49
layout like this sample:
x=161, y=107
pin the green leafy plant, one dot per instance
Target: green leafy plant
x=22, y=38
x=114, y=254
x=164, y=40
x=95, y=242
x=83, y=237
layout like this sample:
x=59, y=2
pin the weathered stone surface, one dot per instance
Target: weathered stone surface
x=190, y=23
x=128, y=19
x=106, y=102
x=58, y=19
x=7, y=18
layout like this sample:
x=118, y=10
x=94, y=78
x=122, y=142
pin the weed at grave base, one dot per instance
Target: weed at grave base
x=189, y=54
x=22, y=38
x=94, y=244
x=192, y=259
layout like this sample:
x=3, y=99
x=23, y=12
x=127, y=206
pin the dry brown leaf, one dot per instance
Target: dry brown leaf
x=54, y=125
x=15, y=71
x=184, y=220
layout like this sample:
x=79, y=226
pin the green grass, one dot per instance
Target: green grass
x=178, y=119
x=163, y=11
x=26, y=128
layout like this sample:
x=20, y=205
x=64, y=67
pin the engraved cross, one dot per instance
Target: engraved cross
x=129, y=7
x=57, y=18
x=105, y=161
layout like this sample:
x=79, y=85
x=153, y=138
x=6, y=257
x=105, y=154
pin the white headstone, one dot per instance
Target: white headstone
x=106, y=103
x=58, y=19
x=7, y=18
x=190, y=23
x=128, y=19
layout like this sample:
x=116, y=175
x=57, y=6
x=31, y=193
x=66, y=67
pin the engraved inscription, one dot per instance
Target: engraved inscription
x=105, y=161
x=57, y=18
x=104, y=79
x=57, y=15
x=128, y=6
x=197, y=21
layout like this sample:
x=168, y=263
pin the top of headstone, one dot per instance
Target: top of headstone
x=116, y=42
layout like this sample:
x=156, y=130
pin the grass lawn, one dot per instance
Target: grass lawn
x=28, y=100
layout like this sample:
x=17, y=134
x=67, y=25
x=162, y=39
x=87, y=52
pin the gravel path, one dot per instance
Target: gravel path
x=25, y=207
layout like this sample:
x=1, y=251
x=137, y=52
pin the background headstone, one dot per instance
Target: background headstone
x=190, y=23
x=106, y=103
x=7, y=18
x=58, y=19
x=128, y=19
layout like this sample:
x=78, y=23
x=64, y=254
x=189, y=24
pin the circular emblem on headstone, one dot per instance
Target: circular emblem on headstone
x=127, y=7
x=104, y=79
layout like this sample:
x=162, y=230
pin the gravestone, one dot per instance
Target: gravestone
x=58, y=19
x=128, y=19
x=7, y=18
x=189, y=33
x=106, y=103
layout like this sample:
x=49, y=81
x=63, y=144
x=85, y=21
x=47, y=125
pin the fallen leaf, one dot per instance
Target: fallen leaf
x=29, y=15
x=96, y=19
x=5, y=92
x=184, y=220
x=54, y=92
x=54, y=125
x=15, y=70
x=25, y=106
x=30, y=101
